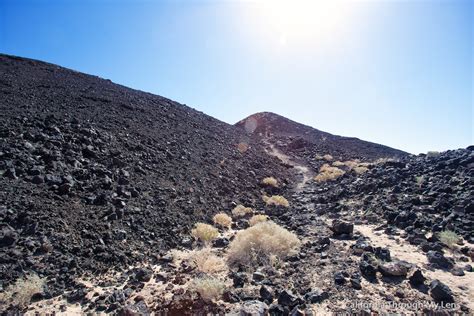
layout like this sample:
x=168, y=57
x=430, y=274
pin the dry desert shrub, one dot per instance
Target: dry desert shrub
x=277, y=200
x=206, y=261
x=204, y=232
x=208, y=288
x=260, y=243
x=241, y=211
x=270, y=181
x=325, y=167
x=328, y=157
x=338, y=163
x=326, y=173
x=257, y=219
x=356, y=165
x=360, y=169
x=222, y=220
x=20, y=293
x=449, y=238
x=351, y=163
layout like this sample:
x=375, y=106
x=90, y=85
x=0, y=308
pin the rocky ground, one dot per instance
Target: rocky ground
x=348, y=262
x=101, y=184
x=95, y=176
x=372, y=237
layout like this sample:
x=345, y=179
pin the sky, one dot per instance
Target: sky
x=395, y=72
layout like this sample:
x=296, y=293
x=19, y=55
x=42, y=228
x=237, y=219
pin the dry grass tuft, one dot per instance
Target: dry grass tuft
x=328, y=157
x=351, y=164
x=270, y=181
x=277, y=200
x=20, y=293
x=206, y=261
x=360, y=169
x=204, y=232
x=326, y=167
x=260, y=243
x=338, y=164
x=258, y=219
x=326, y=173
x=241, y=211
x=208, y=288
x=356, y=165
x=222, y=220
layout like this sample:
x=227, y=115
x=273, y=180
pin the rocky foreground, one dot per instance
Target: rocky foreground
x=101, y=187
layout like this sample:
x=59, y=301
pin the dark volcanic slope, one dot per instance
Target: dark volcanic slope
x=307, y=141
x=94, y=175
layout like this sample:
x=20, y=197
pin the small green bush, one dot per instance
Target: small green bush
x=449, y=238
x=420, y=180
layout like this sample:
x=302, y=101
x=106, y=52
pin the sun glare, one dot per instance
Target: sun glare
x=302, y=20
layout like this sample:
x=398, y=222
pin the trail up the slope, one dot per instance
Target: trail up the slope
x=303, y=173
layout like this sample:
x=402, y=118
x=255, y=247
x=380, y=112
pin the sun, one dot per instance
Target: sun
x=303, y=20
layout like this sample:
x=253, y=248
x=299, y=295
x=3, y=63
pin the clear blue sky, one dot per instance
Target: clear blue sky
x=398, y=73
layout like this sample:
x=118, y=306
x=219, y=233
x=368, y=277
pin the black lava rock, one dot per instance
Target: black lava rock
x=286, y=298
x=143, y=274
x=440, y=292
x=339, y=278
x=316, y=296
x=239, y=279
x=266, y=294
x=340, y=227
x=439, y=260
x=417, y=278
x=367, y=268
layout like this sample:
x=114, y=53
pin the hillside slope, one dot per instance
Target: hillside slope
x=307, y=141
x=95, y=175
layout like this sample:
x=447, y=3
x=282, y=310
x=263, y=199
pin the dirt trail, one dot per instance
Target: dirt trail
x=303, y=171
